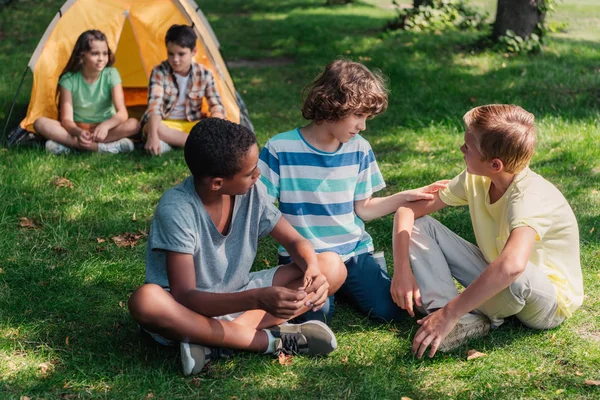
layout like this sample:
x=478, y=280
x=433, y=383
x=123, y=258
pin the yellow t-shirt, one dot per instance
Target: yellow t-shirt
x=529, y=201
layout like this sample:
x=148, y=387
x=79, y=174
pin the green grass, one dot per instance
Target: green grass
x=57, y=281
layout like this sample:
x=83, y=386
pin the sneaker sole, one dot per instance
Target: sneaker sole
x=476, y=332
x=189, y=356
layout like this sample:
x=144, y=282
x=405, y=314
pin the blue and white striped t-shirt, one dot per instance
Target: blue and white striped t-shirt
x=317, y=190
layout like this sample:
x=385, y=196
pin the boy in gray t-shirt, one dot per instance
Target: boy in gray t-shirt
x=199, y=289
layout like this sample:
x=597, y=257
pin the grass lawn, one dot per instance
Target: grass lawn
x=64, y=328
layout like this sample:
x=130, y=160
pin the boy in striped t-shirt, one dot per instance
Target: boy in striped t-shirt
x=324, y=174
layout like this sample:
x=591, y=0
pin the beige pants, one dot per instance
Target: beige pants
x=437, y=255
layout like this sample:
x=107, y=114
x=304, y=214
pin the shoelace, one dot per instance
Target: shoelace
x=289, y=344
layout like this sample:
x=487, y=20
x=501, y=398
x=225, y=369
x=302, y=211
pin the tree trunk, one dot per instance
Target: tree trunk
x=418, y=3
x=520, y=16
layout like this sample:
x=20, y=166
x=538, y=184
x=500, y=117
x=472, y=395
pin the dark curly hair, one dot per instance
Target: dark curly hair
x=181, y=35
x=215, y=148
x=343, y=88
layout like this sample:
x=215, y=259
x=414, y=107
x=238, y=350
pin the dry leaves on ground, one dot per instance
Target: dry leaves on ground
x=592, y=383
x=284, y=359
x=126, y=239
x=25, y=222
x=473, y=354
x=60, y=181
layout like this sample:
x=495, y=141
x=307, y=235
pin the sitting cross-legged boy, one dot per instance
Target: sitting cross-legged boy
x=175, y=93
x=324, y=175
x=526, y=262
x=203, y=239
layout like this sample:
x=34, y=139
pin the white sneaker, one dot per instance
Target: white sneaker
x=118, y=146
x=194, y=357
x=56, y=148
x=165, y=147
x=470, y=326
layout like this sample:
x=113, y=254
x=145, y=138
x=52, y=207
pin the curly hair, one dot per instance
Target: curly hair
x=215, y=148
x=503, y=131
x=343, y=88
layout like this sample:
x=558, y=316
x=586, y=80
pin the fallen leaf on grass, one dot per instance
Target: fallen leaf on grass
x=134, y=217
x=150, y=395
x=405, y=398
x=126, y=239
x=100, y=240
x=60, y=181
x=24, y=398
x=473, y=354
x=68, y=396
x=43, y=368
x=284, y=359
x=578, y=373
x=591, y=382
x=196, y=382
x=25, y=222
x=67, y=341
x=1, y=271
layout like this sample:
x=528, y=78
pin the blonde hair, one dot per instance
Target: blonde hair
x=343, y=88
x=503, y=131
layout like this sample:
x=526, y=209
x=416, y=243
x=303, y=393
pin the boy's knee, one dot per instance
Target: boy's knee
x=142, y=303
x=332, y=266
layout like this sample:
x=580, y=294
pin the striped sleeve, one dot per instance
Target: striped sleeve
x=369, y=179
x=268, y=164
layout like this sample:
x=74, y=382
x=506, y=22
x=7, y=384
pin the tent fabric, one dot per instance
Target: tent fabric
x=135, y=30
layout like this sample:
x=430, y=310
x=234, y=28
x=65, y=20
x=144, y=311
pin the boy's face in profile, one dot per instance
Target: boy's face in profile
x=348, y=127
x=180, y=58
x=473, y=156
x=245, y=179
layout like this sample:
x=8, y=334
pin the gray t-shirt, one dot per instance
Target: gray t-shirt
x=222, y=262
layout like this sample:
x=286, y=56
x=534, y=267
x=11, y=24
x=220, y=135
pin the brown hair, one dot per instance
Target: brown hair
x=503, y=131
x=83, y=45
x=343, y=88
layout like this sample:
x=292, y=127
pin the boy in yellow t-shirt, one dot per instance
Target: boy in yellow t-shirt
x=526, y=263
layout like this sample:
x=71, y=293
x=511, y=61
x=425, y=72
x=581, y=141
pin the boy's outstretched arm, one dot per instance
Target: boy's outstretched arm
x=375, y=207
x=404, y=288
x=276, y=300
x=304, y=256
x=503, y=271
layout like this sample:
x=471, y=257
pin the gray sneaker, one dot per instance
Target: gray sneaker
x=56, y=148
x=194, y=357
x=118, y=146
x=470, y=326
x=311, y=338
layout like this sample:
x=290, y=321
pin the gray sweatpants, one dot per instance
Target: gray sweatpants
x=437, y=255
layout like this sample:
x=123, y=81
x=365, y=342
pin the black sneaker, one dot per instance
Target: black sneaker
x=310, y=338
x=194, y=357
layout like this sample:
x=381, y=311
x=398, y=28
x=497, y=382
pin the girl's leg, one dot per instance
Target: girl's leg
x=51, y=129
x=123, y=130
x=157, y=311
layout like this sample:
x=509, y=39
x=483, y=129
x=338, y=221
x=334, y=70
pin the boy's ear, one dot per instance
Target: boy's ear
x=194, y=51
x=497, y=165
x=216, y=184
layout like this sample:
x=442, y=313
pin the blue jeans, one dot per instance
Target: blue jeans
x=367, y=287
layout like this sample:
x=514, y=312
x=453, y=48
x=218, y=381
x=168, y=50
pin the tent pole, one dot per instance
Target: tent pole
x=3, y=141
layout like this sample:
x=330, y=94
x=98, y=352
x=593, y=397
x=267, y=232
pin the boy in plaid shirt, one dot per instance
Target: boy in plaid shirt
x=177, y=87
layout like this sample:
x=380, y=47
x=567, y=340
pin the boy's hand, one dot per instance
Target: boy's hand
x=434, y=328
x=404, y=289
x=100, y=133
x=316, y=283
x=426, y=192
x=153, y=145
x=282, y=302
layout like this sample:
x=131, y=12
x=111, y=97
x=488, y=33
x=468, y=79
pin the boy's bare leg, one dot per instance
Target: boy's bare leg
x=156, y=310
x=170, y=136
x=291, y=276
x=123, y=130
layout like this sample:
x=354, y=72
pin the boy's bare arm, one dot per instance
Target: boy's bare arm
x=276, y=300
x=304, y=256
x=503, y=271
x=375, y=207
x=404, y=288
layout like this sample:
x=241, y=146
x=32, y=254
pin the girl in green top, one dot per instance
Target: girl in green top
x=93, y=116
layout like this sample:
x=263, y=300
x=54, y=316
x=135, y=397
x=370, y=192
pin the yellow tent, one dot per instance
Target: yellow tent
x=135, y=30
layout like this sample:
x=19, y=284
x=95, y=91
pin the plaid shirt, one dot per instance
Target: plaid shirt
x=163, y=92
